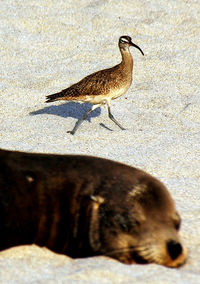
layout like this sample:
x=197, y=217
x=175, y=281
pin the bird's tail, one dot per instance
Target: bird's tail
x=55, y=97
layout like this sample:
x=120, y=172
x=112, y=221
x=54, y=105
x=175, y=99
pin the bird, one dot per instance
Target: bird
x=101, y=87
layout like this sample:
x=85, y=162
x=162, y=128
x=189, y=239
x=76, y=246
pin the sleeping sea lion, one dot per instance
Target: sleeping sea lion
x=84, y=206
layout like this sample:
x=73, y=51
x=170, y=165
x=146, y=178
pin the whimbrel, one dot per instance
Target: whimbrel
x=102, y=86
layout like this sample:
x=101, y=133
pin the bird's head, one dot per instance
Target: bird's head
x=126, y=41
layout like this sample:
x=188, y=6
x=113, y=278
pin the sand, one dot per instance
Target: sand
x=46, y=46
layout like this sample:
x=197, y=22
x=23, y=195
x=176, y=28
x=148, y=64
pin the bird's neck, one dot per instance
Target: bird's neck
x=127, y=60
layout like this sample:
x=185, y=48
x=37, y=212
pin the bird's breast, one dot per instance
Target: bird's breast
x=117, y=92
x=111, y=94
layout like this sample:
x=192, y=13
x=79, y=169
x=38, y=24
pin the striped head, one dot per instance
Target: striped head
x=125, y=42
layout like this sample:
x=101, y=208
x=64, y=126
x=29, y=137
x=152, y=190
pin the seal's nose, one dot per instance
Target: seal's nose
x=174, y=249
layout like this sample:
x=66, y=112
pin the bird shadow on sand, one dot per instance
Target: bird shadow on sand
x=70, y=109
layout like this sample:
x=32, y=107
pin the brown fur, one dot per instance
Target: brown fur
x=84, y=206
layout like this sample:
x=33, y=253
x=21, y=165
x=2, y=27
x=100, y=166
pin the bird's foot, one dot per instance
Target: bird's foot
x=71, y=132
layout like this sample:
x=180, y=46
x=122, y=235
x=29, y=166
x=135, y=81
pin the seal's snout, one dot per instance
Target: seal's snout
x=174, y=249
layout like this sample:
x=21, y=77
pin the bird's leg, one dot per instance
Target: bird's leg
x=82, y=119
x=112, y=117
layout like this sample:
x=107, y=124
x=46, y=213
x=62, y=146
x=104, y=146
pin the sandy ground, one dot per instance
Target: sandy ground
x=47, y=45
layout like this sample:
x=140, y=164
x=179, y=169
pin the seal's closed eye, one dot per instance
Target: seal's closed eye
x=127, y=222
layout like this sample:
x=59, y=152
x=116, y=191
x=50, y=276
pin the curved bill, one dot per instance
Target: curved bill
x=133, y=44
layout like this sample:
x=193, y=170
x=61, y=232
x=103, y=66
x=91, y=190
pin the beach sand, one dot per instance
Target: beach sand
x=45, y=46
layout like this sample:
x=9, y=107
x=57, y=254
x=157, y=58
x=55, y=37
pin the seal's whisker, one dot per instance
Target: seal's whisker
x=146, y=252
x=116, y=251
x=152, y=256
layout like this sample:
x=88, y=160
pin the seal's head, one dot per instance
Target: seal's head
x=141, y=226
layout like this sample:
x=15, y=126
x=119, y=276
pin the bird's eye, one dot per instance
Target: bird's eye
x=123, y=41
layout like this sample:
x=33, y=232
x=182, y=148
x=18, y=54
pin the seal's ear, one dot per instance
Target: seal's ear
x=94, y=222
x=97, y=199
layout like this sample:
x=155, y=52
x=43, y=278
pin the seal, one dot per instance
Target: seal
x=85, y=206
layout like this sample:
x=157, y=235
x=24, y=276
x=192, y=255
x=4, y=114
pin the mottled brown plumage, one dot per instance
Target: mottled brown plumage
x=102, y=86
